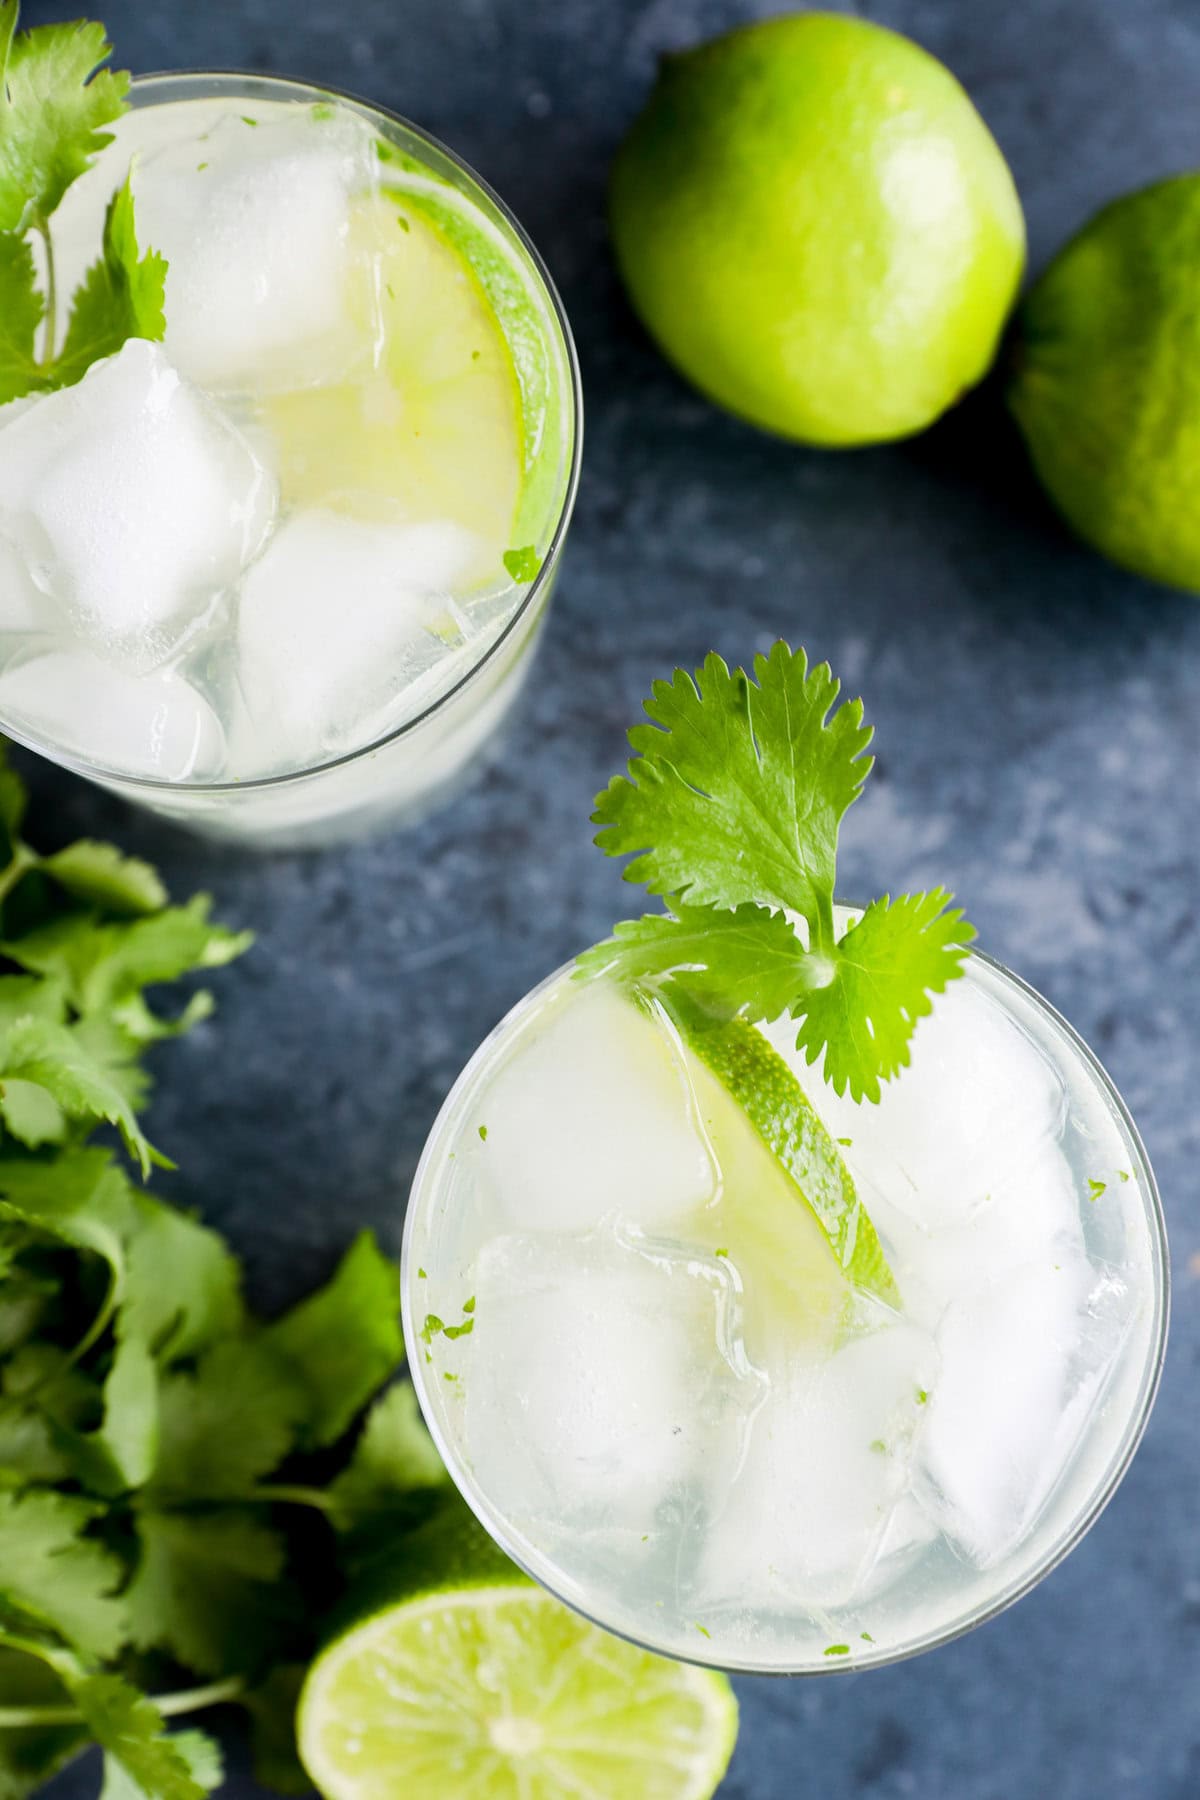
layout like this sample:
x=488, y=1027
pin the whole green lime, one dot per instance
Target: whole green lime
x=1106, y=383
x=818, y=228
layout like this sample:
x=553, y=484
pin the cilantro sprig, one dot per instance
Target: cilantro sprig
x=56, y=97
x=185, y=1489
x=731, y=810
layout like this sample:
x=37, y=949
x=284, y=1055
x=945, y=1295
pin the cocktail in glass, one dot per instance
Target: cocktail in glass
x=280, y=576
x=657, y=1390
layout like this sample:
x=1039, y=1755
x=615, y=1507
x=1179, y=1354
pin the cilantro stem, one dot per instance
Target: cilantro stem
x=94, y=1332
x=23, y=859
x=42, y=227
x=184, y=1700
x=292, y=1494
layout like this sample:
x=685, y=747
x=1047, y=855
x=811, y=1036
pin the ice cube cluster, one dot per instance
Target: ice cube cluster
x=610, y=1410
x=165, y=609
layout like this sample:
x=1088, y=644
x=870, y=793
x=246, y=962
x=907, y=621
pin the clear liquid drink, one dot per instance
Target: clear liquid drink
x=280, y=575
x=656, y=1388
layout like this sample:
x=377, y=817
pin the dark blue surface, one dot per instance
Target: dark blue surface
x=1039, y=741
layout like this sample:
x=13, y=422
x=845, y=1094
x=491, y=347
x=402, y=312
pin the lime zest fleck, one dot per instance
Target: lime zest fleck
x=837, y=1650
x=430, y=1328
x=721, y=1252
x=1124, y=1174
x=523, y=564
x=702, y=1629
x=483, y=1134
x=469, y=1305
x=1096, y=1188
x=922, y=1396
x=421, y=1275
x=866, y=1637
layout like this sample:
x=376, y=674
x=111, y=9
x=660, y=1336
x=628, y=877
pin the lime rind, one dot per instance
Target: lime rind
x=766, y=1090
x=530, y=328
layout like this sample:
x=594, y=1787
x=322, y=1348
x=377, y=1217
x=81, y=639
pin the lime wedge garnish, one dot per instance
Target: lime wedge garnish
x=436, y=428
x=462, y=418
x=758, y=1079
x=461, y=1677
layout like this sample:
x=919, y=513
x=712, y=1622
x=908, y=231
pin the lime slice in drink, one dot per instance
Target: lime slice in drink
x=784, y=1119
x=459, y=419
x=459, y=1676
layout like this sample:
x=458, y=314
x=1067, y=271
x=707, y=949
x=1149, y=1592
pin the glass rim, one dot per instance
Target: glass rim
x=161, y=785
x=1024, y=1582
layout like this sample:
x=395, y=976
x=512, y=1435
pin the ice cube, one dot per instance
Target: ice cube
x=336, y=618
x=595, y=1116
x=23, y=610
x=154, y=724
x=601, y=1379
x=821, y=1513
x=977, y=1108
x=1031, y=1217
x=265, y=287
x=133, y=503
x=1023, y=1363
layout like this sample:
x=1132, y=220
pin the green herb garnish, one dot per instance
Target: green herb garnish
x=55, y=100
x=731, y=810
x=165, y=1457
x=523, y=564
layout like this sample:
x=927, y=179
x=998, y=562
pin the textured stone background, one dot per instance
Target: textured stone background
x=1039, y=741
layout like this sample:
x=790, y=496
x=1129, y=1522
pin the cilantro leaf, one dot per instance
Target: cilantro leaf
x=120, y=1454
x=53, y=1057
x=394, y=1457
x=30, y=1450
x=55, y=97
x=183, y=1287
x=30, y=1755
x=53, y=1573
x=80, y=1199
x=739, y=787
x=21, y=311
x=749, y=957
x=121, y=296
x=141, y=1760
x=884, y=970
x=31, y=1114
x=345, y=1340
x=105, y=965
x=228, y=1423
x=98, y=875
x=207, y=1589
x=272, y=1710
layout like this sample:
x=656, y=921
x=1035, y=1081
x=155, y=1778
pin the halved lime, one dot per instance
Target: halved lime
x=459, y=1676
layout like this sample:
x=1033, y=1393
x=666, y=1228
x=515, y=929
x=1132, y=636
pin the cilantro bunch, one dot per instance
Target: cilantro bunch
x=183, y=1488
x=55, y=100
x=731, y=808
